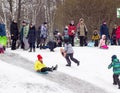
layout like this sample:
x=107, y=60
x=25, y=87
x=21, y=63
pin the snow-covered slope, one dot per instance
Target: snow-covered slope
x=93, y=64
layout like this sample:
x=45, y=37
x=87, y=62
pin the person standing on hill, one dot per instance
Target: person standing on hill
x=32, y=37
x=65, y=34
x=71, y=32
x=14, y=34
x=43, y=35
x=25, y=34
x=104, y=30
x=116, y=70
x=113, y=35
x=82, y=32
x=118, y=35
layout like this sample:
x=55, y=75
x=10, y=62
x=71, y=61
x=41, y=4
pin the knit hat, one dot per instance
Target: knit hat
x=114, y=56
x=39, y=56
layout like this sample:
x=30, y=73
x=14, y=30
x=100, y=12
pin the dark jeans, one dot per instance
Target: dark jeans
x=71, y=40
x=13, y=47
x=32, y=45
x=96, y=43
x=116, y=79
x=70, y=56
x=45, y=69
x=42, y=43
x=82, y=41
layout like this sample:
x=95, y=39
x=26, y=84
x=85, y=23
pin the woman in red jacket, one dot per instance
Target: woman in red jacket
x=71, y=32
x=118, y=35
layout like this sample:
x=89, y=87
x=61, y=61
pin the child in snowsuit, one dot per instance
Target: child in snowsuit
x=68, y=52
x=116, y=70
x=102, y=42
x=1, y=49
x=39, y=66
x=95, y=38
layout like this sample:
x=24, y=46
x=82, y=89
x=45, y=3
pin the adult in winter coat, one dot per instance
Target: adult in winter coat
x=32, y=37
x=14, y=34
x=113, y=35
x=43, y=35
x=21, y=35
x=104, y=30
x=116, y=70
x=71, y=32
x=39, y=66
x=68, y=52
x=25, y=34
x=82, y=32
x=118, y=35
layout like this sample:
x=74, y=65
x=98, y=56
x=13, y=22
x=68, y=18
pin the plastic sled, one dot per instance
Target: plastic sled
x=91, y=44
x=43, y=72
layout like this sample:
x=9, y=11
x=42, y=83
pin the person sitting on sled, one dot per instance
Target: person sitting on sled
x=39, y=66
x=102, y=43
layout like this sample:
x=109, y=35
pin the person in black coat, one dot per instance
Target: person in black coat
x=32, y=37
x=104, y=30
x=14, y=34
x=113, y=35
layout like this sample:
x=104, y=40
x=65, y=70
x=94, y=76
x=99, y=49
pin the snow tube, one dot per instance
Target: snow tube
x=91, y=44
x=3, y=40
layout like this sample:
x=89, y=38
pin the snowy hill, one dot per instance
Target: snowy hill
x=92, y=69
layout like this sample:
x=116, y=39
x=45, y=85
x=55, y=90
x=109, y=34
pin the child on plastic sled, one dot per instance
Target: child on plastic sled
x=1, y=49
x=102, y=43
x=116, y=70
x=39, y=66
x=68, y=52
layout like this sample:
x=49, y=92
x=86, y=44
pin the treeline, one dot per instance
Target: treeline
x=93, y=11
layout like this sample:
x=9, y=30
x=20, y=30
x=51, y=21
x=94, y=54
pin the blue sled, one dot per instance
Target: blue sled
x=43, y=72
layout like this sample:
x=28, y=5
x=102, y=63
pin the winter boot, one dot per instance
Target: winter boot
x=78, y=63
x=34, y=49
x=40, y=46
x=55, y=68
x=68, y=65
x=30, y=50
x=119, y=87
x=114, y=83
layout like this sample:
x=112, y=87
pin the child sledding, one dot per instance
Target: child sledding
x=39, y=66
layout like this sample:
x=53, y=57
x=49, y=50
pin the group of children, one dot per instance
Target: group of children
x=40, y=67
x=68, y=52
x=97, y=42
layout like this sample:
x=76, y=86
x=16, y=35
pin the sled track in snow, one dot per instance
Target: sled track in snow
x=72, y=83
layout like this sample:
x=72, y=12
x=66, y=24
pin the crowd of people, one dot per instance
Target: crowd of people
x=30, y=38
